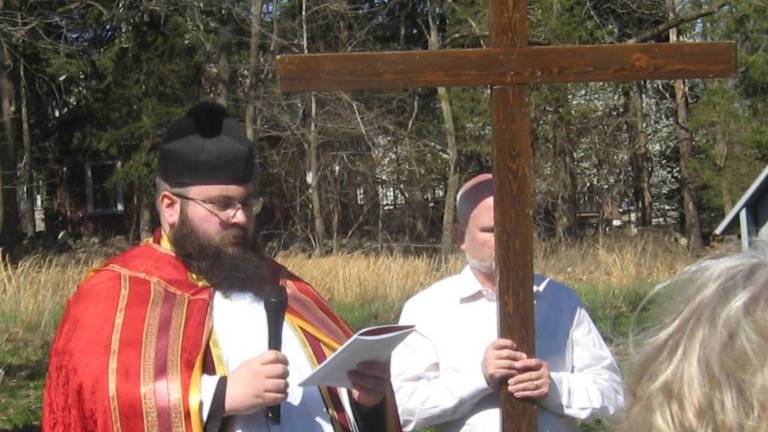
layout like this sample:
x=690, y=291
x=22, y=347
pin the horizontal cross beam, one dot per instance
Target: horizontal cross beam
x=497, y=66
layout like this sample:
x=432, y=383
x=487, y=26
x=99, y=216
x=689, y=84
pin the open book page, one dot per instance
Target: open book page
x=369, y=344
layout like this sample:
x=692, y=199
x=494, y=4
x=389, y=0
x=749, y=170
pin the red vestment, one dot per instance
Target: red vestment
x=136, y=335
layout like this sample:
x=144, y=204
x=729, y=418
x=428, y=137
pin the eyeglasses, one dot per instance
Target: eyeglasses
x=225, y=208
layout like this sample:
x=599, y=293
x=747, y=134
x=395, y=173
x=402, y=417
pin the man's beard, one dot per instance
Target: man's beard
x=233, y=263
x=486, y=267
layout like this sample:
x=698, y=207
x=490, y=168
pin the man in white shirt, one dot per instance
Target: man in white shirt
x=446, y=373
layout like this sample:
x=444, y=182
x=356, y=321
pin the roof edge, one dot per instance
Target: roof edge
x=743, y=201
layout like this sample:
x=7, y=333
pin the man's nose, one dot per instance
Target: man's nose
x=239, y=217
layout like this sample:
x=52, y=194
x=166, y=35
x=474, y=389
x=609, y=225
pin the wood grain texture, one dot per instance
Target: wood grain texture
x=513, y=216
x=505, y=66
x=513, y=202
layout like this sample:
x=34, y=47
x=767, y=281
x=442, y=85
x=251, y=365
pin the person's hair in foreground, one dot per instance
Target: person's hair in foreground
x=704, y=364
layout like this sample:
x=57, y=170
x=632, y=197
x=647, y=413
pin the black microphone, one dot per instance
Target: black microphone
x=275, y=302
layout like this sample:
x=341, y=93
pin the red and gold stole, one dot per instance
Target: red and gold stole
x=131, y=347
x=321, y=332
x=127, y=345
x=173, y=310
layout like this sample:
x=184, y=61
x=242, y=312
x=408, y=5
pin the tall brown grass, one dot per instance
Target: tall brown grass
x=33, y=292
x=357, y=277
x=618, y=262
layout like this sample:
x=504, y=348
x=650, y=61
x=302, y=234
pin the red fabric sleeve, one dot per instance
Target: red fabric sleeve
x=76, y=390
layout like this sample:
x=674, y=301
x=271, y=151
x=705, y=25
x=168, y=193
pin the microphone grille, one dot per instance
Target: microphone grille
x=276, y=298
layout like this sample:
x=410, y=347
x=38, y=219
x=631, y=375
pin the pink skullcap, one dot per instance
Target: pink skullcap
x=471, y=194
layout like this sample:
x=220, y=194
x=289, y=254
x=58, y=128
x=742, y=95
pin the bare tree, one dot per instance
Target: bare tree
x=254, y=65
x=638, y=144
x=313, y=162
x=8, y=111
x=685, y=144
x=452, y=182
x=25, y=169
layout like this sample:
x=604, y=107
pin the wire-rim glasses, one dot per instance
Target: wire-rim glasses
x=225, y=208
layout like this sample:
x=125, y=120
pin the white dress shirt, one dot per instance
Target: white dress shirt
x=240, y=324
x=437, y=372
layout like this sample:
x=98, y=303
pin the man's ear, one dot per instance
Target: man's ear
x=169, y=207
x=459, y=231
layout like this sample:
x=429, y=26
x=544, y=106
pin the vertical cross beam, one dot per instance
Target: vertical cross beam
x=513, y=203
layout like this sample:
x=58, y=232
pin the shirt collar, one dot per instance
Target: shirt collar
x=471, y=289
x=165, y=241
x=539, y=282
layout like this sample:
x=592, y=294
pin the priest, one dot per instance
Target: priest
x=172, y=334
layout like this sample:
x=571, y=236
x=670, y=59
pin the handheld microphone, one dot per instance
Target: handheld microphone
x=275, y=303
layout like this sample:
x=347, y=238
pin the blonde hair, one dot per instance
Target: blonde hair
x=704, y=364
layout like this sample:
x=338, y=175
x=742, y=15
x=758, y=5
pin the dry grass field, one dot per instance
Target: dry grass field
x=364, y=288
x=32, y=295
x=361, y=277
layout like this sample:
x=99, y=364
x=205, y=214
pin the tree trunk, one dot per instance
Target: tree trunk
x=314, y=159
x=9, y=217
x=275, y=35
x=565, y=170
x=336, y=210
x=452, y=182
x=685, y=143
x=25, y=180
x=133, y=233
x=222, y=64
x=253, y=70
x=416, y=204
x=145, y=217
x=5, y=105
x=722, y=153
x=641, y=181
x=314, y=178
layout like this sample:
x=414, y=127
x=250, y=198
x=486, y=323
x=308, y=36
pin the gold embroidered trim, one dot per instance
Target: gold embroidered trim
x=218, y=358
x=150, y=242
x=113, y=351
x=197, y=280
x=148, y=347
x=197, y=373
x=303, y=340
x=314, y=331
x=314, y=310
x=165, y=241
x=333, y=416
x=154, y=280
x=174, y=363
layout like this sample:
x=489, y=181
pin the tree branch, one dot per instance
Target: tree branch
x=653, y=33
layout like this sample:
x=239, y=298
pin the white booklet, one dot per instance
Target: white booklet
x=369, y=344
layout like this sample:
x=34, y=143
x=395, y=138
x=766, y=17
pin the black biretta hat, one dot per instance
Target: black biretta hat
x=206, y=147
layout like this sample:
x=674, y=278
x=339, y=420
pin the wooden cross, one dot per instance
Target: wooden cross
x=509, y=66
